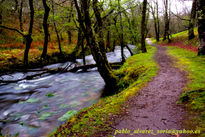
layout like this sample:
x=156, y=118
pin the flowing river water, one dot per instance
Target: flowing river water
x=33, y=108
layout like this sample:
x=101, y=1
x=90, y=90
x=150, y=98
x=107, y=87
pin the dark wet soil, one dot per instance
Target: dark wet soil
x=155, y=107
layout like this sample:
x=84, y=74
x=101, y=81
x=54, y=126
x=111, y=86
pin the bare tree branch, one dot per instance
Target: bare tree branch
x=13, y=29
x=180, y=17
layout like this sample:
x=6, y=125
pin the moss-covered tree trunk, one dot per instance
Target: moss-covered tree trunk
x=92, y=41
x=108, y=38
x=143, y=27
x=192, y=21
x=45, y=27
x=201, y=27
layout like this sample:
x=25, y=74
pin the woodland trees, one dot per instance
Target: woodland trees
x=95, y=43
x=155, y=14
x=27, y=36
x=96, y=26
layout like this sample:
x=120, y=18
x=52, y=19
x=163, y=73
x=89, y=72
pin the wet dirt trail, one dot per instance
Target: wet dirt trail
x=155, y=106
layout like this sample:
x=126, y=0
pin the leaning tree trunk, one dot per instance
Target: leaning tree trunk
x=143, y=27
x=192, y=20
x=201, y=27
x=28, y=37
x=98, y=55
x=45, y=27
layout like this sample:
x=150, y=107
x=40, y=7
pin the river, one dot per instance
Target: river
x=33, y=108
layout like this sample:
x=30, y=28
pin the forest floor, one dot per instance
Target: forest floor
x=155, y=107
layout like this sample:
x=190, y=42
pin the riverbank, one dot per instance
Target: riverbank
x=97, y=119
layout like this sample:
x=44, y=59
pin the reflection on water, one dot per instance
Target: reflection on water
x=36, y=107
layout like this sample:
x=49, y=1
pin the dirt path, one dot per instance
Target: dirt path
x=155, y=107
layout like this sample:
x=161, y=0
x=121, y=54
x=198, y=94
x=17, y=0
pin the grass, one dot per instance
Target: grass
x=181, y=40
x=98, y=118
x=194, y=97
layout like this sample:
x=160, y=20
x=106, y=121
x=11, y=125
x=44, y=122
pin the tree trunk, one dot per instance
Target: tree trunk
x=20, y=18
x=69, y=37
x=192, y=20
x=101, y=60
x=143, y=27
x=113, y=45
x=83, y=54
x=61, y=36
x=56, y=30
x=154, y=10
x=108, y=36
x=79, y=43
x=58, y=38
x=69, y=20
x=158, y=26
x=122, y=44
x=1, y=2
x=45, y=27
x=201, y=27
x=28, y=37
x=166, y=29
x=0, y=21
x=99, y=29
x=28, y=40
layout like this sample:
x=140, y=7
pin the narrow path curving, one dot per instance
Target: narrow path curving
x=155, y=107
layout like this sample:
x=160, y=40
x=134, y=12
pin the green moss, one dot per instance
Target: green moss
x=181, y=37
x=133, y=75
x=46, y=115
x=195, y=96
x=67, y=115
